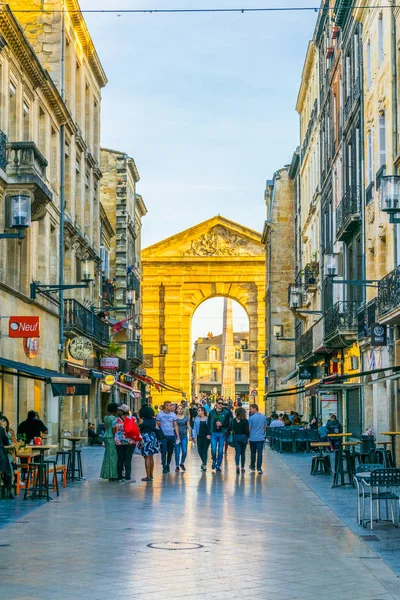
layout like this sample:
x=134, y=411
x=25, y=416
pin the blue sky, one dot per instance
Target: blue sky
x=205, y=103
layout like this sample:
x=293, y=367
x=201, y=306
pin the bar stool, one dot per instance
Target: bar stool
x=65, y=456
x=320, y=465
x=383, y=456
x=78, y=464
x=53, y=463
x=37, y=482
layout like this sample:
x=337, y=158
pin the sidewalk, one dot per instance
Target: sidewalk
x=189, y=535
x=384, y=539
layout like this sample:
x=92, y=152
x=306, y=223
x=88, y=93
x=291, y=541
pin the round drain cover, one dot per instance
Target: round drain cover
x=175, y=546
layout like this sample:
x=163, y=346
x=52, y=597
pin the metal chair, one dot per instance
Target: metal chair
x=286, y=438
x=312, y=436
x=363, y=468
x=367, y=444
x=384, y=485
x=300, y=439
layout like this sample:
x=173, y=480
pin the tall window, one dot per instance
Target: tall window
x=238, y=354
x=213, y=375
x=26, y=122
x=212, y=354
x=380, y=40
x=356, y=57
x=42, y=131
x=348, y=76
x=12, y=113
x=369, y=65
x=370, y=156
x=238, y=374
x=382, y=139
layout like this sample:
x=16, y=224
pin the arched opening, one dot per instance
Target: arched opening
x=220, y=364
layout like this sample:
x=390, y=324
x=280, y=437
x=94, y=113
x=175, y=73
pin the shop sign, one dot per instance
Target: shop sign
x=109, y=379
x=24, y=327
x=148, y=361
x=31, y=347
x=306, y=373
x=328, y=406
x=109, y=363
x=378, y=335
x=80, y=348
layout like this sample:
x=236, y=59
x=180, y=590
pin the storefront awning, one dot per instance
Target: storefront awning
x=286, y=392
x=62, y=385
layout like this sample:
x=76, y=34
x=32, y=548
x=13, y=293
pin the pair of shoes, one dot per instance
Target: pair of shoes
x=260, y=471
x=252, y=468
x=237, y=470
x=130, y=480
x=243, y=470
x=147, y=479
x=121, y=480
x=177, y=470
x=183, y=467
x=165, y=470
x=218, y=469
x=214, y=464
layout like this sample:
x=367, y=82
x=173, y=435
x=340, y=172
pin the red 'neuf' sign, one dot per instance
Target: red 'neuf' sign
x=24, y=327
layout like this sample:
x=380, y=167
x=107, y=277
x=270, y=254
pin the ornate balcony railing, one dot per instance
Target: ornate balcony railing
x=26, y=165
x=81, y=320
x=352, y=98
x=134, y=352
x=304, y=345
x=341, y=322
x=389, y=292
x=3, y=150
x=133, y=283
x=366, y=317
x=348, y=213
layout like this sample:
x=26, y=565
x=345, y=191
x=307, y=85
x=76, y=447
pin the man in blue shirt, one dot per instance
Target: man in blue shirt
x=166, y=420
x=258, y=426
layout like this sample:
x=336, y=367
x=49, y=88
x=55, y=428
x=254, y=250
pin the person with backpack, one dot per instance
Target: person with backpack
x=218, y=423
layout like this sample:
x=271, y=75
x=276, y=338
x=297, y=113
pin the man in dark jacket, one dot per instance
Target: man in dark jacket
x=32, y=427
x=334, y=426
x=218, y=423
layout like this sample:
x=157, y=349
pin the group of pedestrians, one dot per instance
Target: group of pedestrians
x=169, y=432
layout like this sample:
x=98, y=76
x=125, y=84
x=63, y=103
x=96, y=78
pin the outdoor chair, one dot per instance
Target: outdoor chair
x=383, y=456
x=286, y=439
x=361, y=494
x=268, y=435
x=300, y=440
x=383, y=486
x=367, y=444
x=312, y=436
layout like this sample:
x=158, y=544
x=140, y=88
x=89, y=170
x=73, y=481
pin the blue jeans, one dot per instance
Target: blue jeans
x=181, y=451
x=167, y=449
x=256, y=450
x=240, y=449
x=217, y=443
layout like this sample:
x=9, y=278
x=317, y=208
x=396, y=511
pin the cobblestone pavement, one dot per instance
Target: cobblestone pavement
x=189, y=535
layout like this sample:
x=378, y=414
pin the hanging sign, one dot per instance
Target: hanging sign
x=24, y=327
x=254, y=393
x=378, y=335
x=80, y=348
x=109, y=379
x=31, y=347
x=109, y=363
x=306, y=373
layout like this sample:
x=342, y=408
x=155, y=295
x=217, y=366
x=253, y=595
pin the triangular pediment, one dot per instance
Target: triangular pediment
x=215, y=238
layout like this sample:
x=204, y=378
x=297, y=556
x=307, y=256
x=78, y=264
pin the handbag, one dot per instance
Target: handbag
x=131, y=430
x=137, y=450
x=230, y=440
x=159, y=434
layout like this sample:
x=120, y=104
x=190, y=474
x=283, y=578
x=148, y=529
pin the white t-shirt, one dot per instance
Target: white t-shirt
x=166, y=421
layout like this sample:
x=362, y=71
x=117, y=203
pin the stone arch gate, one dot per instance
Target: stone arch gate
x=215, y=258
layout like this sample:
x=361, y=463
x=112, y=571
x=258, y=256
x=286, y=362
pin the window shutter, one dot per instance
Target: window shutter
x=348, y=76
x=382, y=140
x=380, y=40
x=369, y=66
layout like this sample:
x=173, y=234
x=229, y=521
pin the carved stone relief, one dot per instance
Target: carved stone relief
x=219, y=241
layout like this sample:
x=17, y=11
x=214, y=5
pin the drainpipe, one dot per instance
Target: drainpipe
x=394, y=114
x=62, y=220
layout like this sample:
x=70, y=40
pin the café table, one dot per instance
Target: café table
x=42, y=449
x=339, y=472
x=393, y=435
x=74, y=439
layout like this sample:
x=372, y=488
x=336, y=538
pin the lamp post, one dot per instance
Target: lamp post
x=87, y=277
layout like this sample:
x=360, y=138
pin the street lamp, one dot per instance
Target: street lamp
x=278, y=333
x=87, y=276
x=390, y=196
x=19, y=215
x=87, y=270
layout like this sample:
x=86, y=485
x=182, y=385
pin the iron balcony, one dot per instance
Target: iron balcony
x=341, y=324
x=304, y=346
x=348, y=213
x=79, y=320
x=366, y=317
x=389, y=297
x=134, y=352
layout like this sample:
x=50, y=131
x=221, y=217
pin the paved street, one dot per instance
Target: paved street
x=212, y=536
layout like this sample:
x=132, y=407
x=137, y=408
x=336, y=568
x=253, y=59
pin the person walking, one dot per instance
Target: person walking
x=218, y=423
x=258, y=427
x=150, y=445
x=167, y=423
x=125, y=445
x=192, y=416
x=6, y=472
x=181, y=447
x=240, y=429
x=201, y=436
x=110, y=458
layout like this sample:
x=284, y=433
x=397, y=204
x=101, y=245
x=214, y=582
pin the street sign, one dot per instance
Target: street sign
x=109, y=379
x=109, y=363
x=254, y=393
x=24, y=327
